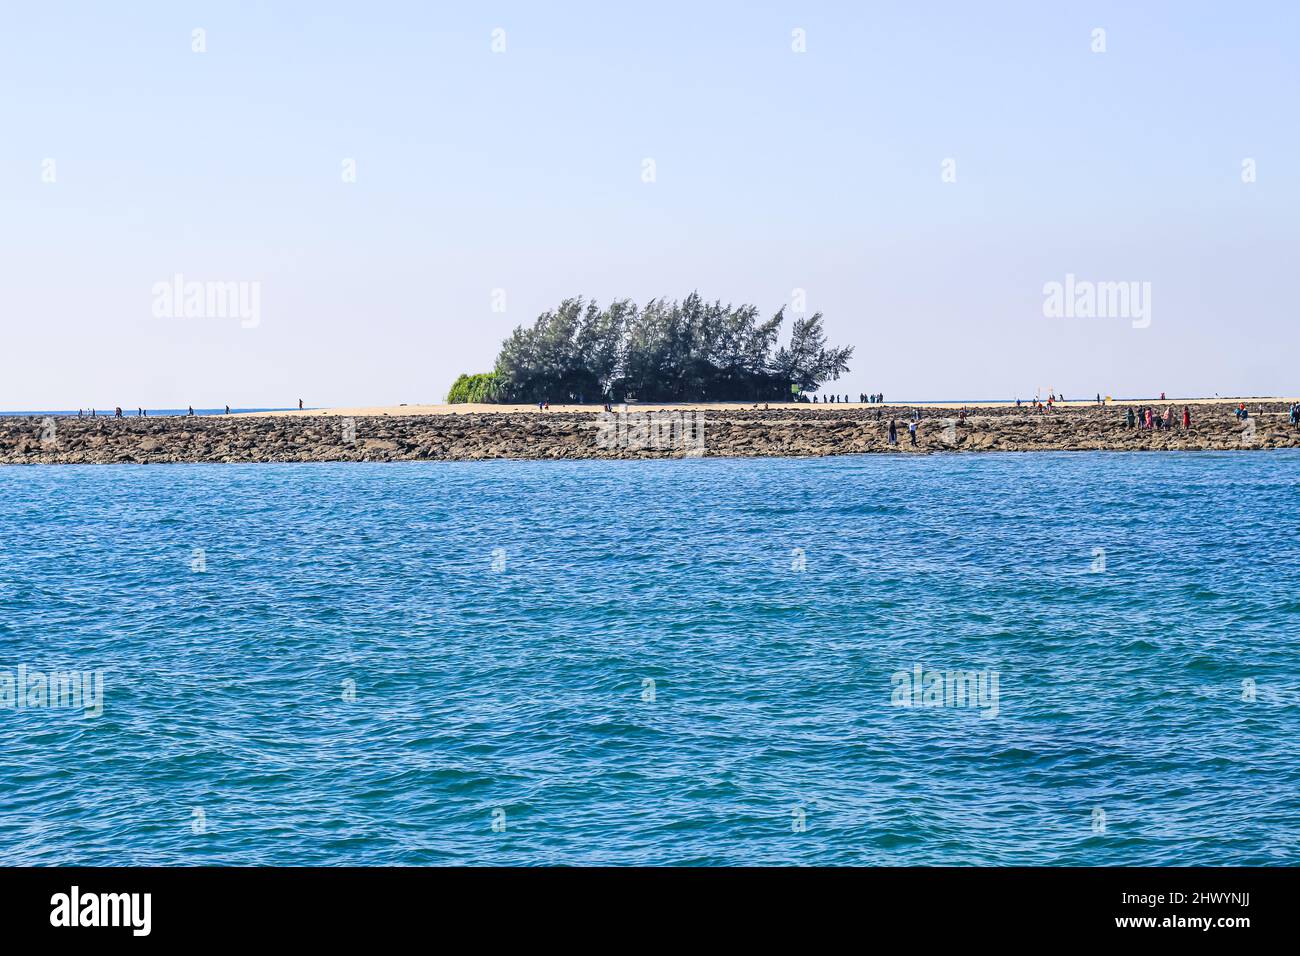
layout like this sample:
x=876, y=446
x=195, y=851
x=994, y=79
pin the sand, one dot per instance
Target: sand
x=369, y=411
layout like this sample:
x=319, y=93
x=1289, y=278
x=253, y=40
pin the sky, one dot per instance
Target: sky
x=403, y=183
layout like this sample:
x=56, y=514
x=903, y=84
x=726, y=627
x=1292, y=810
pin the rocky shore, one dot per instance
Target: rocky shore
x=730, y=431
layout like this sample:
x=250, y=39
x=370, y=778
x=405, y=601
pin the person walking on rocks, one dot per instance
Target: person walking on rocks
x=911, y=432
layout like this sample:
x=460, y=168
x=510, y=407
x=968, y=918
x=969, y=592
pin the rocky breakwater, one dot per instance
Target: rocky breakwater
x=731, y=431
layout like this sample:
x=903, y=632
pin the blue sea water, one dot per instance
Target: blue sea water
x=451, y=663
x=133, y=411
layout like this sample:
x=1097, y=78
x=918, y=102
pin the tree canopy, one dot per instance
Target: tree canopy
x=688, y=350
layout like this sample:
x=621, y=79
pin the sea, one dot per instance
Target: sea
x=133, y=412
x=964, y=659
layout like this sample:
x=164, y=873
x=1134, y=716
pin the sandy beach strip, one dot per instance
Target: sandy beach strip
x=375, y=411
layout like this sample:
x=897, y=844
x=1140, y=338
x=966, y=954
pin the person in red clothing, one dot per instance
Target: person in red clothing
x=1187, y=418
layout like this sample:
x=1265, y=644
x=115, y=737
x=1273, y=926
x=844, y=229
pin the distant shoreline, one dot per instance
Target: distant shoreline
x=591, y=407
x=362, y=411
x=468, y=433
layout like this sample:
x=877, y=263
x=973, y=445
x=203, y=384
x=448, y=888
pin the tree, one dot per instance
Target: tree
x=806, y=361
x=473, y=388
x=688, y=350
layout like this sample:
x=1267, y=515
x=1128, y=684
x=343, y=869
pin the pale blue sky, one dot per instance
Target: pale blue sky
x=523, y=171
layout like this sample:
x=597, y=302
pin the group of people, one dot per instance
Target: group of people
x=911, y=429
x=876, y=399
x=142, y=412
x=1149, y=418
x=1293, y=414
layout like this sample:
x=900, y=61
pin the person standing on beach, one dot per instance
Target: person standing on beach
x=300, y=404
x=893, y=432
x=227, y=409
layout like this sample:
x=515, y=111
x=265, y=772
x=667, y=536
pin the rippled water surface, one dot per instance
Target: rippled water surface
x=656, y=662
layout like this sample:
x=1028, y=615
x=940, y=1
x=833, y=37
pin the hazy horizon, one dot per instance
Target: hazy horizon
x=514, y=162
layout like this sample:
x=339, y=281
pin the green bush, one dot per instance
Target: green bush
x=473, y=388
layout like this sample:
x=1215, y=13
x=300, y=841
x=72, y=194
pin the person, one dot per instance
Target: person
x=1099, y=398
x=1169, y=417
x=911, y=432
x=117, y=412
x=227, y=409
x=1149, y=418
x=1130, y=419
x=78, y=413
x=1162, y=396
x=191, y=411
x=300, y=404
x=1017, y=403
x=893, y=432
x=1187, y=418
